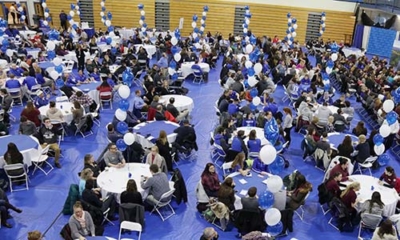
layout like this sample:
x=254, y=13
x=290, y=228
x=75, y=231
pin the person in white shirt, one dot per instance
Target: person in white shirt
x=323, y=114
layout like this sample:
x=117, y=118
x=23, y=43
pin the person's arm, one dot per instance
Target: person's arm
x=122, y=159
x=73, y=225
x=90, y=224
x=147, y=183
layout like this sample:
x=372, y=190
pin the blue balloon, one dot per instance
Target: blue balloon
x=69, y=17
x=204, y=18
x=246, y=7
x=292, y=29
x=122, y=127
x=72, y=6
x=142, y=18
x=289, y=24
x=47, y=10
x=277, y=166
x=172, y=64
x=59, y=83
x=109, y=15
x=174, y=76
x=251, y=72
x=194, y=18
x=203, y=25
x=103, y=9
x=285, y=38
x=254, y=92
x=121, y=145
x=113, y=50
x=5, y=42
x=391, y=117
x=253, y=107
x=144, y=25
x=246, y=83
x=323, y=29
x=205, y=8
x=266, y=199
x=378, y=139
x=323, y=14
x=196, y=30
x=288, y=15
x=174, y=50
x=110, y=29
x=275, y=230
x=108, y=40
x=51, y=54
x=140, y=6
x=58, y=68
x=248, y=15
x=104, y=18
x=294, y=20
x=74, y=26
x=327, y=87
x=383, y=159
x=287, y=32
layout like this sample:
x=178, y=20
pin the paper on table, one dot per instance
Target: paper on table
x=242, y=181
x=265, y=181
x=243, y=192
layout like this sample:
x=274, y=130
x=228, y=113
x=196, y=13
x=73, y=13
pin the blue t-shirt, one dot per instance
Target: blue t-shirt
x=30, y=82
x=254, y=145
x=12, y=83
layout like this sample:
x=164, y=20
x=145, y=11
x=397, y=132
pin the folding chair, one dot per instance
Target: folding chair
x=219, y=153
x=105, y=218
x=108, y=95
x=131, y=226
x=198, y=74
x=69, y=65
x=83, y=124
x=95, y=114
x=32, y=93
x=369, y=221
x=15, y=93
x=367, y=164
x=39, y=157
x=9, y=168
x=164, y=201
x=301, y=209
x=225, y=167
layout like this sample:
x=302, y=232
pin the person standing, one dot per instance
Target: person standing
x=63, y=20
x=287, y=125
x=80, y=55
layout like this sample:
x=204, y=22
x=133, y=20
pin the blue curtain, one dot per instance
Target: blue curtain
x=358, y=36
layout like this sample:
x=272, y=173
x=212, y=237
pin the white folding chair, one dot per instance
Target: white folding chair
x=33, y=92
x=9, y=168
x=131, y=226
x=95, y=114
x=367, y=164
x=82, y=123
x=369, y=221
x=163, y=202
x=15, y=93
x=105, y=218
x=301, y=209
x=69, y=65
x=39, y=157
x=109, y=100
x=226, y=166
x=217, y=154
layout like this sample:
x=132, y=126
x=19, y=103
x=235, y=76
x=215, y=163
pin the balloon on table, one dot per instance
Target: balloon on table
x=274, y=184
x=124, y=91
x=129, y=138
x=266, y=199
x=256, y=101
x=121, y=145
x=120, y=115
x=174, y=41
x=275, y=230
x=388, y=105
x=383, y=160
x=267, y=154
x=277, y=166
x=272, y=216
x=177, y=57
x=379, y=150
x=122, y=127
x=384, y=130
x=59, y=68
x=248, y=64
x=50, y=45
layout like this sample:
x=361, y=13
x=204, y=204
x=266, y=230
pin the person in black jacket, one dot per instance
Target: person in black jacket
x=80, y=55
x=48, y=136
x=131, y=194
x=186, y=137
x=91, y=164
x=180, y=187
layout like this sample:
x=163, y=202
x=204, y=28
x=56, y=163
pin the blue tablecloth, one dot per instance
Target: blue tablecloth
x=337, y=138
x=45, y=65
x=90, y=32
x=87, y=87
x=153, y=129
x=23, y=142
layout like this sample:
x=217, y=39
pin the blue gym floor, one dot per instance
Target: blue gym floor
x=44, y=200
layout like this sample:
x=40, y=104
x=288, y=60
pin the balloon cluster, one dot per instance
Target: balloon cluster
x=322, y=24
x=196, y=30
x=70, y=16
x=46, y=13
x=106, y=18
x=396, y=95
x=21, y=11
x=291, y=31
x=4, y=45
x=3, y=26
x=275, y=162
x=142, y=22
x=53, y=35
x=246, y=21
x=121, y=114
x=127, y=77
x=203, y=20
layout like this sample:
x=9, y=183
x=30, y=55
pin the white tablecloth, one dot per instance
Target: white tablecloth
x=151, y=49
x=181, y=102
x=114, y=180
x=34, y=52
x=349, y=51
x=25, y=33
x=65, y=108
x=259, y=133
x=103, y=46
x=333, y=110
x=25, y=153
x=186, y=68
x=389, y=196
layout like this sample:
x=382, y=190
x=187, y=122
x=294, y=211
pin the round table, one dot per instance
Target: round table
x=26, y=144
x=46, y=65
x=371, y=184
x=333, y=110
x=336, y=138
x=150, y=49
x=186, y=68
x=259, y=134
x=243, y=183
x=90, y=89
x=100, y=238
x=34, y=52
x=25, y=33
x=65, y=108
x=181, y=102
x=114, y=180
x=147, y=132
x=103, y=46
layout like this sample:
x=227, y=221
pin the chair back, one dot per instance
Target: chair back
x=226, y=166
x=370, y=221
x=219, y=150
x=166, y=197
x=62, y=99
x=131, y=212
x=132, y=226
x=197, y=70
x=201, y=194
x=34, y=88
x=12, y=167
x=370, y=160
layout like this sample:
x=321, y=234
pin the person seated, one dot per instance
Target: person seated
x=332, y=185
x=186, y=138
x=250, y=202
x=26, y=127
x=373, y=206
x=31, y=113
x=43, y=81
x=210, y=180
x=12, y=83
x=349, y=110
x=323, y=114
x=159, y=116
x=13, y=156
x=341, y=102
x=113, y=135
x=226, y=193
x=29, y=81
x=90, y=163
x=53, y=113
x=239, y=164
x=48, y=136
x=363, y=149
x=84, y=99
x=70, y=80
x=15, y=71
x=386, y=231
x=113, y=157
x=339, y=121
x=157, y=185
x=209, y=233
x=254, y=143
x=85, y=175
x=342, y=168
x=259, y=167
x=81, y=223
x=40, y=100
x=178, y=115
x=104, y=87
x=237, y=146
x=349, y=198
x=81, y=77
x=95, y=75
x=249, y=120
x=131, y=194
x=388, y=178
x=296, y=197
x=360, y=129
x=346, y=149
x=155, y=158
x=324, y=145
x=5, y=205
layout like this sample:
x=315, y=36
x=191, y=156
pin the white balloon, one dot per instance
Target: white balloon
x=103, y=21
x=120, y=115
x=141, y=22
x=102, y=3
x=20, y=9
x=245, y=30
x=111, y=34
x=274, y=183
x=268, y=154
x=323, y=18
x=124, y=91
x=379, y=150
x=78, y=13
x=289, y=35
x=72, y=13
x=249, y=48
x=143, y=29
x=108, y=23
x=326, y=82
x=247, y=38
x=289, y=42
x=323, y=25
x=334, y=56
x=177, y=57
x=194, y=24
x=76, y=7
x=102, y=14
x=388, y=105
x=247, y=21
x=9, y=52
x=174, y=41
x=171, y=71
x=54, y=74
x=50, y=45
x=113, y=44
x=295, y=26
x=57, y=61
x=328, y=70
x=272, y=216
x=202, y=29
x=321, y=32
x=46, y=14
x=394, y=128
x=129, y=138
x=204, y=13
x=385, y=130
x=248, y=64
x=289, y=20
x=294, y=34
x=252, y=81
x=142, y=12
x=202, y=21
x=44, y=5
x=256, y=101
x=257, y=68
x=45, y=23
x=195, y=35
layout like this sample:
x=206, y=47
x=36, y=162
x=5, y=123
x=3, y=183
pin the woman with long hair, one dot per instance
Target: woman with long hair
x=13, y=156
x=226, y=194
x=360, y=129
x=374, y=205
x=131, y=194
x=254, y=143
x=345, y=149
x=296, y=197
x=104, y=87
x=164, y=149
x=239, y=164
x=90, y=163
x=81, y=223
x=287, y=124
x=332, y=185
x=385, y=231
x=349, y=197
x=210, y=180
x=31, y=113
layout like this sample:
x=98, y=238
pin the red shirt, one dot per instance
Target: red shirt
x=349, y=199
x=338, y=168
x=391, y=180
x=333, y=187
x=32, y=116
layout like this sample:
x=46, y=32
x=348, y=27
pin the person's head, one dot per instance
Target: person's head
x=159, y=108
x=12, y=148
x=90, y=183
x=347, y=141
x=131, y=186
x=324, y=135
x=112, y=147
x=287, y=111
x=78, y=209
x=210, y=168
x=47, y=122
x=162, y=135
x=268, y=115
x=354, y=186
x=240, y=134
x=86, y=174
x=221, y=130
x=156, y=98
x=52, y=104
x=79, y=94
x=88, y=159
x=154, y=150
x=171, y=100
x=29, y=105
x=209, y=233
x=301, y=179
x=252, y=192
x=77, y=105
x=239, y=160
x=311, y=130
x=138, y=93
x=110, y=127
x=360, y=125
x=337, y=176
x=386, y=227
x=40, y=94
x=252, y=134
x=23, y=119
x=376, y=198
x=362, y=138
x=186, y=122
x=389, y=171
x=154, y=168
x=344, y=162
x=34, y=235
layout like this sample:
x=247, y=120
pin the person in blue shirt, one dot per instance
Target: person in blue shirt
x=237, y=146
x=233, y=107
x=259, y=167
x=254, y=143
x=15, y=31
x=271, y=107
x=163, y=62
x=29, y=81
x=305, y=80
x=44, y=82
x=81, y=77
x=249, y=120
x=271, y=129
x=70, y=80
x=138, y=105
x=219, y=139
x=17, y=71
x=95, y=75
x=12, y=83
x=40, y=100
x=110, y=81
